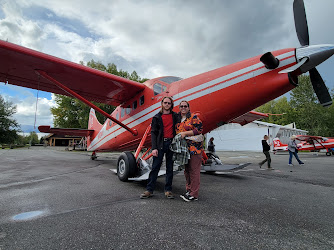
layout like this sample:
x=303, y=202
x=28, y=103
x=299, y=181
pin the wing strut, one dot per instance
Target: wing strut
x=72, y=93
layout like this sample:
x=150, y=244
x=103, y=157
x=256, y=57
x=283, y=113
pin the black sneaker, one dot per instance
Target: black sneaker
x=188, y=197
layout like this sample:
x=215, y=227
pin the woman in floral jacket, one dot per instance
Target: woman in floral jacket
x=190, y=128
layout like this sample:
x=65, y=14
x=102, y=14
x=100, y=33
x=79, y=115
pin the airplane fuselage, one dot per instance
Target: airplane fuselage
x=218, y=96
x=307, y=146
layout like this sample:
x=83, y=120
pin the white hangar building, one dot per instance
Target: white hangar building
x=234, y=137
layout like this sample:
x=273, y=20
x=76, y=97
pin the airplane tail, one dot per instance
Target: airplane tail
x=277, y=142
x=93, y=124
x=278, y=145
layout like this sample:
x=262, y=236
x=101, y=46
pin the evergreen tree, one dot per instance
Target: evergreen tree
x=303, y=108
x=307, y=112
x=8, y=126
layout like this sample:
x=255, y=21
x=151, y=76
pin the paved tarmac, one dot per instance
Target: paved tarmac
x=56, y=199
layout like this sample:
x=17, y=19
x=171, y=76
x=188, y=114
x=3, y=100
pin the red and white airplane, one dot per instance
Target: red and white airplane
x=219, y=96
x=308, y=143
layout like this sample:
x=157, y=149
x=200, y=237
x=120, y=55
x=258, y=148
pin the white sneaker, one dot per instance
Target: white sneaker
x=290, y=165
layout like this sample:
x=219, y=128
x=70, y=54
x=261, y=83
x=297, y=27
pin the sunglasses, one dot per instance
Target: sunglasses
x=168, y=103
x=183, y=106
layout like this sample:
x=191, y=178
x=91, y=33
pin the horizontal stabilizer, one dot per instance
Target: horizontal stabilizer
x=65, y=131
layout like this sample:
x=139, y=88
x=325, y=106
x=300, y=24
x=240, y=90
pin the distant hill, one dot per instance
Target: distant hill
x=27, y=129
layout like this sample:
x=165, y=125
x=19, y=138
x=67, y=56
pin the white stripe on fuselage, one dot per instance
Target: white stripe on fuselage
x=192, y=93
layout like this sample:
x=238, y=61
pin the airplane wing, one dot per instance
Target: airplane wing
x=65, y=131
x=249, y=117
x=18, y=66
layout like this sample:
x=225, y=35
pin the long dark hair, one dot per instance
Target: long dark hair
x=171, y=100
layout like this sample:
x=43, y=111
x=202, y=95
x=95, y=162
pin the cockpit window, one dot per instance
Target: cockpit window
x=170, y=79
x=157, y=88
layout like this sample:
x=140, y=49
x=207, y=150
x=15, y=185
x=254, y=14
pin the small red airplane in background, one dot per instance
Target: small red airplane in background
x=227, y=94
x=308, y=143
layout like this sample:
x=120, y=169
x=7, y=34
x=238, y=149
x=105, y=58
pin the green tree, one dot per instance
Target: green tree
x=307, y=112
x=20, y=140
x=8, y=126
x=32, y=138
x=72, y=113
x=66, y=113
x=280, y=110
x=303, y=108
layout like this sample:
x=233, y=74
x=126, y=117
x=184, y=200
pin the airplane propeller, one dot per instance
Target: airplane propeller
x=318, y=84
x=301, y=22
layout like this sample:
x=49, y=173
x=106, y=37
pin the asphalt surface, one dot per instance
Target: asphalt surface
x=56, y=199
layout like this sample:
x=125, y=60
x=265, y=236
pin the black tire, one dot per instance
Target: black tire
x=126, y=166
x=328, y=153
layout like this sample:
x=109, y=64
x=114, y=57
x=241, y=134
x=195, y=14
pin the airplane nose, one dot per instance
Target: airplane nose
x=316, y=54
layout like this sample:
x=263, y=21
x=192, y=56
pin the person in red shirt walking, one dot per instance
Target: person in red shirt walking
x=162, y=133
x=191, y=129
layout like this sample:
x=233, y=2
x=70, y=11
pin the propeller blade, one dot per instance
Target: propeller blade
x=320, y=88
x=301, y=22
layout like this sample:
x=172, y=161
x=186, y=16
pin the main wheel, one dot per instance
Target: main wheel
x=328, y=153
x=126, y=166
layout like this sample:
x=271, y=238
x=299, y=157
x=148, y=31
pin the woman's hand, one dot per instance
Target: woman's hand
x=183, y=134
x=155, y=152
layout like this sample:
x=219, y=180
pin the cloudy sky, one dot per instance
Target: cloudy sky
x=155, y=38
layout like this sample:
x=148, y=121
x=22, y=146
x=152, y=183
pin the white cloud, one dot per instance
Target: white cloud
x=27, y=112
x=16, y=29
x=25, y=102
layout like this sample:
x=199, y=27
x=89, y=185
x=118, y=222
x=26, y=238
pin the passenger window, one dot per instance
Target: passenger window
x=141, y=100
x=128, y=109
x=122, y=112
x=134, y=105
x=110, y=123
x=117, y=116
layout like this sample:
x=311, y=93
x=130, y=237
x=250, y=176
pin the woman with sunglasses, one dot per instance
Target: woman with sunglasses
x=190, y=126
